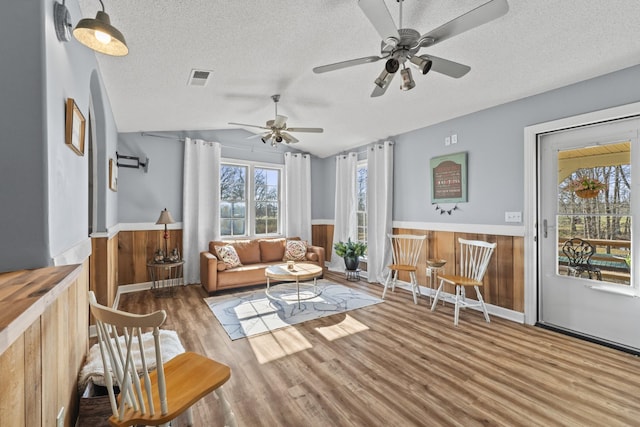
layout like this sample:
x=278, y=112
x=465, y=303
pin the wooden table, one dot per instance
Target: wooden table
x=300, y=272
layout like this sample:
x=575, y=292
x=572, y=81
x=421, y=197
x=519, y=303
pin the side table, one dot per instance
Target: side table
x=165, y=276
x=352, y=275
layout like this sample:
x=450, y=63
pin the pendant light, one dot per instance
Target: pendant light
x=99, y=35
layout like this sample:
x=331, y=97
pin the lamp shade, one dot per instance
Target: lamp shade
x=165, y=217
x=99, y=35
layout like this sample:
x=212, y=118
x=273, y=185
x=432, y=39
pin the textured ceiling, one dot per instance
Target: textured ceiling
x=259, y=48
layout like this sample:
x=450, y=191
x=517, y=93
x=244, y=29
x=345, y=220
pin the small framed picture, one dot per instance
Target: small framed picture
x=74, y=128
x=449, y=178
x=113, y=175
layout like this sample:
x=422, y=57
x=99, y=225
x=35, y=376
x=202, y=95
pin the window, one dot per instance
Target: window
x=361, y=189
x=250, y=199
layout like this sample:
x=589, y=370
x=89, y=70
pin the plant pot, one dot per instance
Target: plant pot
x=587, y=194
x=351, y=263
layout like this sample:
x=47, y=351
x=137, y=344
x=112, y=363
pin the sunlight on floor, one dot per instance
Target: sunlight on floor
x=347, y=327
x=277, y=344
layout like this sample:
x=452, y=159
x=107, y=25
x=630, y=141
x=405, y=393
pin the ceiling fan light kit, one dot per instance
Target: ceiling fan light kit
x=400, y=45
x=277, y=128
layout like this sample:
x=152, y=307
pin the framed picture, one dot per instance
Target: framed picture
x=449, y=178
x=113, y=175
x=74, y=128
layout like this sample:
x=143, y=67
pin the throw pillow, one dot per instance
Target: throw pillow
x=228, y=255
x=295, y=250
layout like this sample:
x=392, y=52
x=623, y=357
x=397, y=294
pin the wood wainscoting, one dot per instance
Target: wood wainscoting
x=39, y=370
x=504, y=280
x=103, y=276
x=136, y=248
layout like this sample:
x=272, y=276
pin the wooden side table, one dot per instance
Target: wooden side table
x=165, y=277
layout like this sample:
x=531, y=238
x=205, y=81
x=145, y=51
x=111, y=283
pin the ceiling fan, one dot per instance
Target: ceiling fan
x=277, y=128
x=402, y=45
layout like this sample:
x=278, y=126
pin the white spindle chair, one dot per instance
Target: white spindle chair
x=474, y=260
x=406, y=252
x=157, y=397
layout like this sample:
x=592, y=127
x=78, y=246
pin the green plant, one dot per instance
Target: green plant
x=350, y=249
x=586, y=183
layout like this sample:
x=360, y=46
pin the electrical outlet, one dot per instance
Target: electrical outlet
x=513, y=217
x=60, y=418
x=447, y=141
x=454, y=138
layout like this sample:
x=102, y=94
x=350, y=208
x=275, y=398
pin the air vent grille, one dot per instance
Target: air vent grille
x=199, y=77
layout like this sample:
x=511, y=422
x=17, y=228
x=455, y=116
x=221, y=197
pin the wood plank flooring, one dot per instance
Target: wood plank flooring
x=399, y=364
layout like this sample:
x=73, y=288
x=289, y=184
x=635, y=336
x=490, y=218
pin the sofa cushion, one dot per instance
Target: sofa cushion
x=295, y=250
x=228, y=255
x=271, y=250
x=248, y=251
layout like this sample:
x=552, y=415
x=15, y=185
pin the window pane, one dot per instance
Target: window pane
x=594, y=221
x=361, y=188
x=267, y=196
x=233, y=188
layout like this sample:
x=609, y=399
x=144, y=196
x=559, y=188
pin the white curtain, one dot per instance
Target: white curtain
x=379, y=209
x=297, y=176
x=346, y=221
x=200, y=202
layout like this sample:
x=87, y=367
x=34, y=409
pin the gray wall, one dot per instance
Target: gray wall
x=141, y=196
x=494, y=140
x=45, y=185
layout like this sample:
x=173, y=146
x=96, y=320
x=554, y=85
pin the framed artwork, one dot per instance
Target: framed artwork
x=113, y=175
x=74, y=128
x=449, y=178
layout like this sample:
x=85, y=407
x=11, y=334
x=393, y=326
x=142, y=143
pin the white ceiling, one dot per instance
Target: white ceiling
x=259, y=48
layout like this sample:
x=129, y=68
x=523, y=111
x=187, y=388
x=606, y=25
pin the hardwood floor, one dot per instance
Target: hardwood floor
x=399, y=364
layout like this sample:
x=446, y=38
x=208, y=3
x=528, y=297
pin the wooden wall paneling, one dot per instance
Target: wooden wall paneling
x=112, y=268
x=32, y=375
x=49, y=340
x=518, y=274
x=322, y=235
x=12, y=388
x=98, y=269
x=504, y=271
x=125, y=257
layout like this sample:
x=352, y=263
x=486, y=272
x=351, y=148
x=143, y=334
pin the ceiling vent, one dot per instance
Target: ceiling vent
x=199, y=77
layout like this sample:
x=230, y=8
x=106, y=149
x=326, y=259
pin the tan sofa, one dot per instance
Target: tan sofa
x=255, y=255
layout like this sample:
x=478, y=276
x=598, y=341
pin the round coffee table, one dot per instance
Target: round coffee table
x=299, y=273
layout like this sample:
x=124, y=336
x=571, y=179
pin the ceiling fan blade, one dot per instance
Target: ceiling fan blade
x=259, y=135
x=288, y=138
x=448, y=68
x=378, y=91
x=381, y=19
x=345, y=64
x=474, y=18
x=280, y=122
x=246, y=125
x=312, y=130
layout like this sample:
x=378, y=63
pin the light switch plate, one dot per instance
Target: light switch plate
x=513, y=217
x=447, y=141
x=454, y=138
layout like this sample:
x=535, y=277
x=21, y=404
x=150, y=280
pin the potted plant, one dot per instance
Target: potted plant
x=586, y=187
x=350, y=252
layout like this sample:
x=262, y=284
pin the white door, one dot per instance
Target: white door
x=598, y=296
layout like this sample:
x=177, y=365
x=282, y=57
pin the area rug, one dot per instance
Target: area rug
x=252, y=313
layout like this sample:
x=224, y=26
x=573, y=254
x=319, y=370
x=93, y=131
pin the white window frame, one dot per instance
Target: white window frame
x=361, y=164
x=250, y=195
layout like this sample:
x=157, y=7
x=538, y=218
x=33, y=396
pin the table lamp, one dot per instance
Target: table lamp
x=165, y=218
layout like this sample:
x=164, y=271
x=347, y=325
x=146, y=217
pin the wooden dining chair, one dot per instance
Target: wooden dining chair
x=156, y=397
x=406, y=252
x=474, y=260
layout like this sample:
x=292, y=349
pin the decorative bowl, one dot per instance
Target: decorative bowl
x=436, y=262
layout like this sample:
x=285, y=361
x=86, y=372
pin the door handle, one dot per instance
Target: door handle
x=544, y=228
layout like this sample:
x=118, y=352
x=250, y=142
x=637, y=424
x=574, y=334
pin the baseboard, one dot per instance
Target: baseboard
x=493, y=310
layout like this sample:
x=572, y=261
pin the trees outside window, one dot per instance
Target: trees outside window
x=361, y=189
x=250, y=199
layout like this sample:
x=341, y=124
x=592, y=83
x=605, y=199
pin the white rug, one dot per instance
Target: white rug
x=253, y=313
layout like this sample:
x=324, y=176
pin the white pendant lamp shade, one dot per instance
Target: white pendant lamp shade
x=99, y=35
